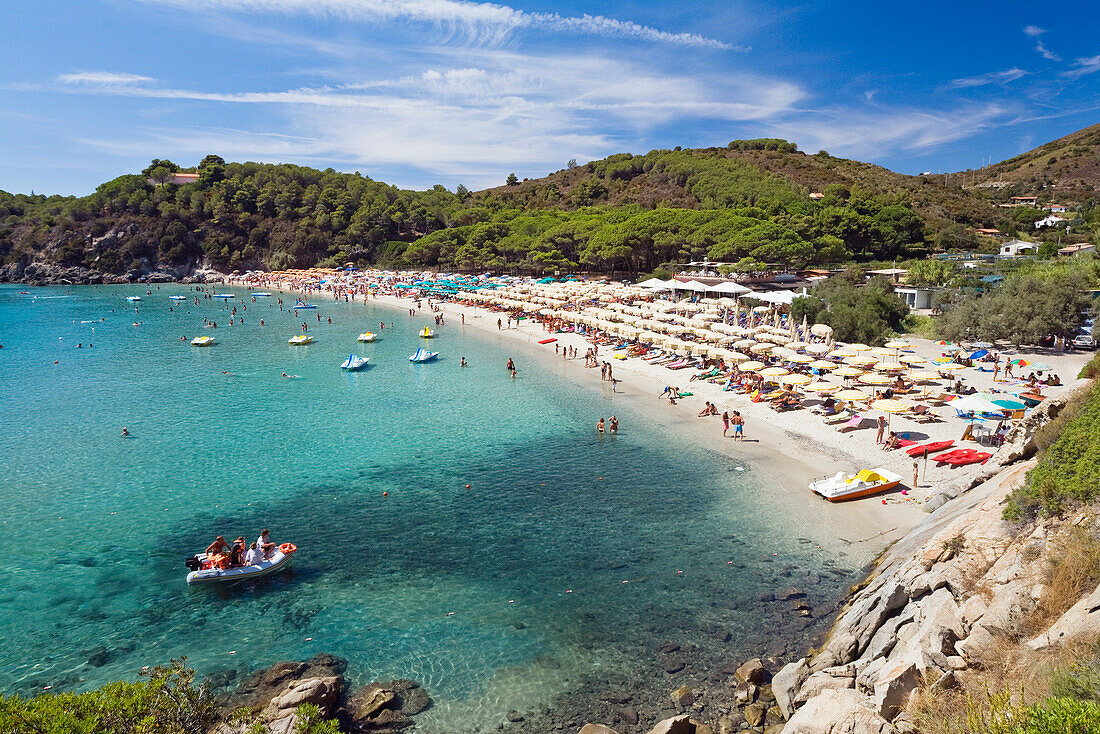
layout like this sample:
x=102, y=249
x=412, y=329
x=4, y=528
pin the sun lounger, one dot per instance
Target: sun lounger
x=840, y=417
x=851, y=424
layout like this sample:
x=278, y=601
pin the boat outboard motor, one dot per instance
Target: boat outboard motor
x=193, y=563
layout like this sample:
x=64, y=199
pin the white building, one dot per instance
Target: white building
x=1016, y=248
x=1051, y=220
x=917, y=298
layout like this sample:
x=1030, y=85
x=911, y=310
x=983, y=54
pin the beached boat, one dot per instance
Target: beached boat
x=300, y=340
x=202, y=341
x=423, y=355
x=199, y=575
x=302, y=304
x=426, y=333
x=354, y=362
x=367, y=336
x=844, y=487
x=177, y=298
x=133, y=299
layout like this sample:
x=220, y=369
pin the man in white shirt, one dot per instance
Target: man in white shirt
x=254, y=556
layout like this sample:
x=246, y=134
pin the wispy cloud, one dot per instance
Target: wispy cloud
x=870, y=133
x=993, y=77
x=485, y=22
x=503, y=110
x=109, y=78
x=1083, y=66
x=1034, y=31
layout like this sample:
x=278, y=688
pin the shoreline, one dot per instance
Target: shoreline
x=770, y=444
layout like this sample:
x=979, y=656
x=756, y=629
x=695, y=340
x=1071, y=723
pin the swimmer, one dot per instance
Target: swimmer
x=599, y=426
x=125, y=432
x=613, y=425
x=462, y=363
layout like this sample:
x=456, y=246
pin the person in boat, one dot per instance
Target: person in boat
x=236, y=553
x=264, y=543
x=254, y=556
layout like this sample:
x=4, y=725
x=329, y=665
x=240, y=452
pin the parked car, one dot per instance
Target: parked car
x=1084, y=341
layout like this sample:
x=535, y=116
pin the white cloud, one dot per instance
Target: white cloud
x=484, y=22
x=870, y=133
x=1083, y=66
x=1034, y=31
x=491, y=109
x=993, y=77
x=103, y=78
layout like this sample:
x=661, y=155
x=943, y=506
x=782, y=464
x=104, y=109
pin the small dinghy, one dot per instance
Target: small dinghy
x=223, y=295
x=133, y=299
x=354, y=362
x=423, y=355
x=302, y=304
x=367, y=336
x=300, y=340
x=426, y=333
x=178, y=298
x=202, y=572
x=261, y=294
x=864, y=484
x=202, y=341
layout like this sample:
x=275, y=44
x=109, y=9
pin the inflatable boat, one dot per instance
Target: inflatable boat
x=133, y=299
x=298, y=305
x=426, y=333
x=178, y=298
x=201, y=572
x=929, y=448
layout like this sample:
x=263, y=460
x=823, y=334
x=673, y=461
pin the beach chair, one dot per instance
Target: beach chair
x=851, y=424
x=840, y=417
x=923, y=414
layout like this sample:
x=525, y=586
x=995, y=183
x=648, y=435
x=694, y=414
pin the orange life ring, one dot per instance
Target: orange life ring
x=288, y=548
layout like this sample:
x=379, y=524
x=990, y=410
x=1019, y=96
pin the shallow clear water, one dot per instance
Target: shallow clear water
x=568, y=554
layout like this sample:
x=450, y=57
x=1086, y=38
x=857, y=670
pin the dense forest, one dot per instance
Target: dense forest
x=748, y=204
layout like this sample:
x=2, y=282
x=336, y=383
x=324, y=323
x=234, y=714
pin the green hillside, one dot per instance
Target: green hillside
x=748, y=203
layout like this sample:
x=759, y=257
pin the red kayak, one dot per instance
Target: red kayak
x=551, y=340
x=974, y=457
x=951, y=456
x=929, y=448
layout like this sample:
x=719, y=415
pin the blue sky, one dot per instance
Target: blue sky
x=419, y=92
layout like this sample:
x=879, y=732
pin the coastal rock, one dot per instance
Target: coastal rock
x=369, y=700
x=754, y=714
x=935, y=502
x=753, y=671
x=628, y=715
x=614, y=696
x=838, y=712
x=744, y=693
x=892, y=690
x=1082, y=618
x=259, y=688
x=596, y=729
x=674, y=664
x=786, y=682
x=673, y=725
x=322, y=692
x=514, y=716
x=683, y=696
x=841, y=676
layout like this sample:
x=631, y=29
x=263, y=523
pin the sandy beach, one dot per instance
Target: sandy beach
x=791, y=447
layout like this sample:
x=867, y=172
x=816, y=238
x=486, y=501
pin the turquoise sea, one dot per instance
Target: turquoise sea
x=568, y=555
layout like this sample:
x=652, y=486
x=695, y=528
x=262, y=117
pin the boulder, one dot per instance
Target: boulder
x=894, y=687
x=369, y=700
x=755, y=713
x=935, y=502
x=786, y=682
x=257, y=690
x=971, y=648
x=683, y=696
x=837, y=677
x=597, y=729
x=744, y=693
x=972, y=609
x=628, y=715
x=838, y=712
x=753, y=671
x=674, y=725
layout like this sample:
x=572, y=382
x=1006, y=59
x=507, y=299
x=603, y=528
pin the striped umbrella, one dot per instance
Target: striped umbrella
x=822, y=387
x=891, y=406
x=774, y=372
x=796, y=379
x=860, y=347
x=851, y=394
